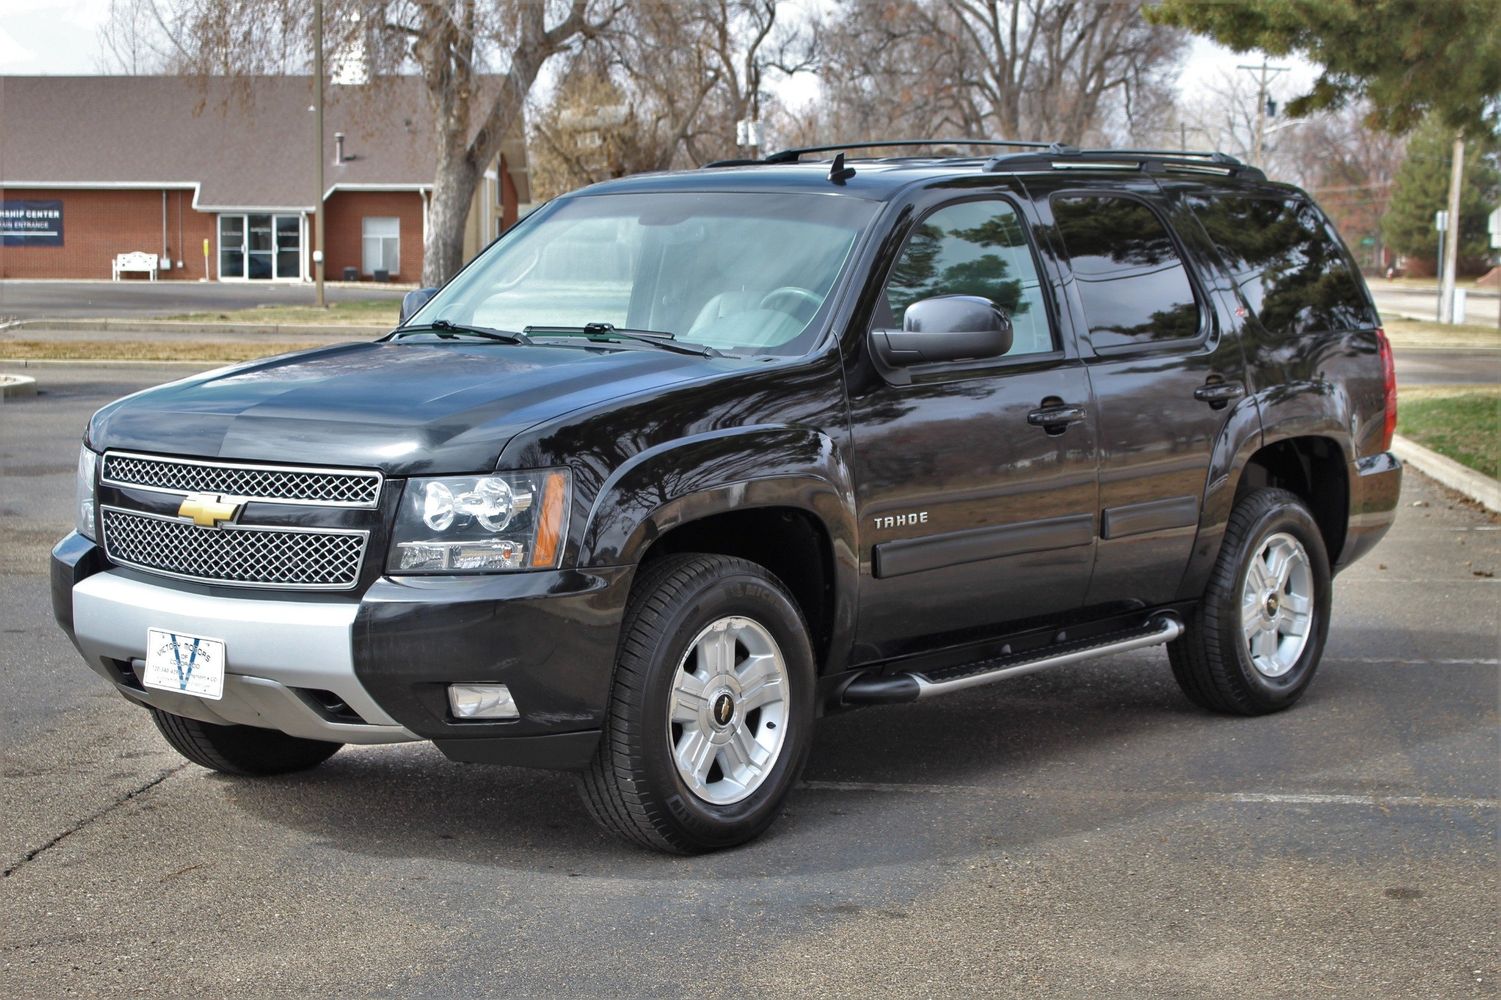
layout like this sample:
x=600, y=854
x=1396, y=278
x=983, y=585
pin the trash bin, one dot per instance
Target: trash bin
x=351, y=274
x=382, y=276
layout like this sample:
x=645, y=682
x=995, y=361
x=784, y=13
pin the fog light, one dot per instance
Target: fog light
x=482, y=701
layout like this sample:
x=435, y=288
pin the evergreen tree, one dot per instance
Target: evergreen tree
x=1409, y=58
x=1422, y=188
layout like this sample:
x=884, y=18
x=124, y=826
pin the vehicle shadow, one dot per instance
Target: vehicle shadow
x=1030, y=760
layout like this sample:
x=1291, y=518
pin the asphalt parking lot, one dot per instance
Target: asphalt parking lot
x=1077, y=832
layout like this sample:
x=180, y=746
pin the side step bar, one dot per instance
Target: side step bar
x=883, y=689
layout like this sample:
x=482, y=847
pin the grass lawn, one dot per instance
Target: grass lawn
x=363, y=313
x=1462, y=422
x=1422, y=333
x=140, y=350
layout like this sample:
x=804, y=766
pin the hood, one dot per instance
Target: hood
x=404, y=408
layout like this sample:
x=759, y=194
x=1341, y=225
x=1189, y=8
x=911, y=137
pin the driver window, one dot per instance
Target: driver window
x=972, y=248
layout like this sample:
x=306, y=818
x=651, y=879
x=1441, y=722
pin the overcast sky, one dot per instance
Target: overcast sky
x=62, y=37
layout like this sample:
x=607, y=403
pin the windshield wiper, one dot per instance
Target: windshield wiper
x=605, y=332
x=449, y=330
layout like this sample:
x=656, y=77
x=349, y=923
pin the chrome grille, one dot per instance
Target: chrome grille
x=272, y=484
x=238, y=555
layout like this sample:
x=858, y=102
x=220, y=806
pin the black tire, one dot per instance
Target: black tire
x=633, y=787
x=1211, y=661
x=244, y=750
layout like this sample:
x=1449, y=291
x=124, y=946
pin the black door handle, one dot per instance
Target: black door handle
x=1217, y=394
x=1056, y=418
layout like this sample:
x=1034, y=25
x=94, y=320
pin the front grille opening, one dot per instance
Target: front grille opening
x=243, y=556
x=248, y=482
x=330, y=706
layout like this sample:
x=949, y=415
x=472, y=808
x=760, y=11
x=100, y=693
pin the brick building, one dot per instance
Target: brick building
x=217, y=178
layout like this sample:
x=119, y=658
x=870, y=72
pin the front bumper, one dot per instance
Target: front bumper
x=372, y=668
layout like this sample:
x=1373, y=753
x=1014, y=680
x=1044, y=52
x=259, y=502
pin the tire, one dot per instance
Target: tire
x=1215, y=661
x=243, y=750
x=698, y=655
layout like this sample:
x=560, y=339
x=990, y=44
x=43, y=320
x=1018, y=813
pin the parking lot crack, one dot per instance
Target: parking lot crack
x=134, y=793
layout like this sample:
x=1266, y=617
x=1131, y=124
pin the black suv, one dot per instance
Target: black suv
x=683, y=461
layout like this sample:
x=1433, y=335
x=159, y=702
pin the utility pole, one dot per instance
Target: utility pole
x=318, y=299
x=1451, y=247
x=1264, y=73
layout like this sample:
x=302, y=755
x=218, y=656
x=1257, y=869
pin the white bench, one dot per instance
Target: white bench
x=136, y=261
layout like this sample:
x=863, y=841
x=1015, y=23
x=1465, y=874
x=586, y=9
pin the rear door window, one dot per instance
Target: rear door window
x=1290, y=269
x=1131, y=282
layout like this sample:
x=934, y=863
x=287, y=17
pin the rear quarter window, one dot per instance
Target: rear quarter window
x=1289, y=267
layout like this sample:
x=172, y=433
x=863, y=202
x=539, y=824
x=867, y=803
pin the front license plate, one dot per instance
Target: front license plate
x=187, y=664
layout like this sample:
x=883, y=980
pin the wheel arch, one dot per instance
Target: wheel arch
x=1314, y=468
x=777, y=496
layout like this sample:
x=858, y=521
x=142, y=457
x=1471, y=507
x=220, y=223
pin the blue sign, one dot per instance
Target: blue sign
x=31, y=223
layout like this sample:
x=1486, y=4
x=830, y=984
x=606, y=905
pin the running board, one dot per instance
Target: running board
x=884, y=689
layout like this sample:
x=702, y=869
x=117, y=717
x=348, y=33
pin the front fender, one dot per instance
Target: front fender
x=717, y=472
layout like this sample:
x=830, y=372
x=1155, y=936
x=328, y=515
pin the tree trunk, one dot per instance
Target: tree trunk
x=447, y=213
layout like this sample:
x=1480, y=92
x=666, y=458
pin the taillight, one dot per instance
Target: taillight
x=1389, y=382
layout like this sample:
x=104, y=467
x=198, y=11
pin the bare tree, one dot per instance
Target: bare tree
x=1352, y=170
x=1222, y=114
x=478, y=61
x=665, y=85
x=1068, y=70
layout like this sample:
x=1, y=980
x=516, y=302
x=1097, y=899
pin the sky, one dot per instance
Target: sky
x=62, y=37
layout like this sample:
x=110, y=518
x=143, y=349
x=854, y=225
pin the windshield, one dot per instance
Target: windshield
x=744, y=273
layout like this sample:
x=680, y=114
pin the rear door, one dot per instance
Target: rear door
x=1165, y=366
x=972, y=513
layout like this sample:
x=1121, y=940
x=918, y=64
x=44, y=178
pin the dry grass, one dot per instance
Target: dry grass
x=1421, y=333
x=378, y=312
x=142, y=350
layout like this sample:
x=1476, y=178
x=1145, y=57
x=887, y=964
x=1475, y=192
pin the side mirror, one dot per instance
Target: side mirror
x=412, y=301
x=945, y=328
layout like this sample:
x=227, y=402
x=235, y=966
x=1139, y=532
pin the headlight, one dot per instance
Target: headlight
x=83, y=491
x=481, y=524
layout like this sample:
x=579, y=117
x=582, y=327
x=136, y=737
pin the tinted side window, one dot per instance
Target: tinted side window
x=973, y=248
x=1290, y=269
x=1131, y=282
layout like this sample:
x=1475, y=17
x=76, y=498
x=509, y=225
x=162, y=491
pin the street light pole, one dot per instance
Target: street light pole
x=1264, y=72
x=318, y=299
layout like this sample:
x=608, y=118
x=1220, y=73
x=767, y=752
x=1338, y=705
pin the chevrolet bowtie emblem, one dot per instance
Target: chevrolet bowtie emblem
x=207, y=510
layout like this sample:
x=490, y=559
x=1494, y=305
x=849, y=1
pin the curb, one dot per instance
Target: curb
x=16, y=386
x=164, y=326
x=1478, y=487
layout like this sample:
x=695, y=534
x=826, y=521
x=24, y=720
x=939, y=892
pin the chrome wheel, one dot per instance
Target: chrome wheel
x=727, y=719
x=1276, y=604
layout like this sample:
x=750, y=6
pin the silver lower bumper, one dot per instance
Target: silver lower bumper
x=272, y=646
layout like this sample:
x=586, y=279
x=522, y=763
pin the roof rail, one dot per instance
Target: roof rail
x=795, y=155
x=1150, y=161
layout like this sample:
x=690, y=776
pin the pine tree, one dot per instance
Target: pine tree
x=1409, y=58
x=1422, y=188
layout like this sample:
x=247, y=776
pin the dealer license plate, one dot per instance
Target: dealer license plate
x=188, y=664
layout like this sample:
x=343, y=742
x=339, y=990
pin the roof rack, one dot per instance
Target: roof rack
x=1035, y=155
x=795, y=155
x=1148, y=161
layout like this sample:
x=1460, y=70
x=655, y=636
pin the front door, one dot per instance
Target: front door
x=260, y=247
x=975, y=510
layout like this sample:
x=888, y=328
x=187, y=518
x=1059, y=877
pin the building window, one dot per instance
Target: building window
x=381, y=243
